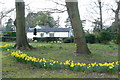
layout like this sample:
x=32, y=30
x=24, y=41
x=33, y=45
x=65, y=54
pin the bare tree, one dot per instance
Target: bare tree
x=116, y=24
x=100, y=7
x=61, y=9
x=4, y=14
x=79, y=35
x=96, y=14
x=116, y=11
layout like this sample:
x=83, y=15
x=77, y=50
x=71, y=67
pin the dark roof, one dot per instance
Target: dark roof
x=51, y=30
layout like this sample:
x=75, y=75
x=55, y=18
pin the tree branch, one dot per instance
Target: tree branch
x=59, y=3
x=51, y=10
x=3, y=14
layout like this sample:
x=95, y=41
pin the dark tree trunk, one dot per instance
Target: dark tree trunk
x=0, y=22
x=21, y=38
x=79, y=35
x=116, y=23
x=101, y=23
x=117, y=20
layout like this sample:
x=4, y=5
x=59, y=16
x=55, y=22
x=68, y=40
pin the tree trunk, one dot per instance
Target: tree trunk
x=117, y=20
x=116, y=23
x=21, y=38
x=79, y=35
x=0, y=22
x=101, y=24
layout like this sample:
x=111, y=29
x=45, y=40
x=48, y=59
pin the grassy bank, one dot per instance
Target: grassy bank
x=61, y=52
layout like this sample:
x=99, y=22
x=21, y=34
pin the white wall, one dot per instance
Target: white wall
x=30, y=35
x=56, y=34
x=61, y=34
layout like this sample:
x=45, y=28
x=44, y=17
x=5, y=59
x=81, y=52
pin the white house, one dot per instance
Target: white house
x=39, y=26
x=50, y=32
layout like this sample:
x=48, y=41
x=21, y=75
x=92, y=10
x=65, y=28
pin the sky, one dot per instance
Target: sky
x=85, y=8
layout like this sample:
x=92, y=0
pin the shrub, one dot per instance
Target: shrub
x=46, y=39
x=10, y=33
x=8, y=39
x=104, y=36
x=9, y=36
x=90, y=38
x=69, y=40
x=115, y=38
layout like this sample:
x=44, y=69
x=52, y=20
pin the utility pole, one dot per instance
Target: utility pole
x=100, y=7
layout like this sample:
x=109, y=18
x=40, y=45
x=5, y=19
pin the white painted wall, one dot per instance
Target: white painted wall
x=56, y=34
x=30, y=35
x=61, y=34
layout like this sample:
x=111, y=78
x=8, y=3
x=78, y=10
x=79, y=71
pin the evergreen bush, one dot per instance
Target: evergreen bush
x=90, y=38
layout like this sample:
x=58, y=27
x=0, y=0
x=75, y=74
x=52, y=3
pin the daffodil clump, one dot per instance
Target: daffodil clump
x=56, y=42
x=68, y=64
x=6, y=47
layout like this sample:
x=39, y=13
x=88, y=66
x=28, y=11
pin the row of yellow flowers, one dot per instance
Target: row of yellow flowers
x=68, y=64
x=6, y=47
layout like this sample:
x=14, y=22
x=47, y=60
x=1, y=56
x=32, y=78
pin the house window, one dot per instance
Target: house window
x=51, y=34
x=42, y=34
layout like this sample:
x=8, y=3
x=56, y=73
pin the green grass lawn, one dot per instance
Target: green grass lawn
x=100, y=53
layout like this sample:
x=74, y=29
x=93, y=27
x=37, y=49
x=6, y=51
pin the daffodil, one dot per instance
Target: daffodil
x=110, y=67
x=72, y=65
x=67, y=62
x=61, y=63
x=8, y=49
x=51, y=64
x=20, y=55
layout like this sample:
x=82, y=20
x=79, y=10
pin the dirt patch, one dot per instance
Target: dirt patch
x=111, y=53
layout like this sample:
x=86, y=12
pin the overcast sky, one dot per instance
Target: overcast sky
x=85, y=9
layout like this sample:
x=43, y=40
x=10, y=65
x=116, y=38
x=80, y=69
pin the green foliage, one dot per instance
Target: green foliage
x=40, y=18
x=10, y=33
x=103, y=36
x=45, y=19
x=9, y=25
x=6, y=47
x=9, y=36
x=115, y=39
x=13, y=69
x=69, y=40
x=68, y=64
x=8, y=39
x=46, y=39
x=114, y=35
x=90, y=38
x=30, y=20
